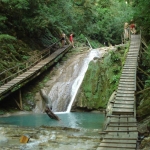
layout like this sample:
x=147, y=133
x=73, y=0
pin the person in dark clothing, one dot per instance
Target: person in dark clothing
x=63, y=40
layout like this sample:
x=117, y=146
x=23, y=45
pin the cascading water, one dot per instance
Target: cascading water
x=76, y=85
x=63, y=92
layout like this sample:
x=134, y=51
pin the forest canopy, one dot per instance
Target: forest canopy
x=41, y=21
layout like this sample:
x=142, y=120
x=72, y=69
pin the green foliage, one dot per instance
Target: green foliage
x=6, y=38
x=39, y=19
x=141, y=16
x=13, y=52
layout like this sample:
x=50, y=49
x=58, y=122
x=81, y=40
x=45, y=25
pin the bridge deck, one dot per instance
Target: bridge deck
x=121, y=130
x=28, y=75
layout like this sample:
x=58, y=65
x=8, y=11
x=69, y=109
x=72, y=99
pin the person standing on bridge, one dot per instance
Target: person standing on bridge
x=126, y=31
x=71, y=39
x=132, y=27
x=63, y=36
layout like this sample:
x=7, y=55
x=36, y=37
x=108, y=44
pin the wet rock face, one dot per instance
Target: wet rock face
x=59, y=87
x=49, y=138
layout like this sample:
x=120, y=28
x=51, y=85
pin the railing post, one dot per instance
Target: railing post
x=49, y=52
x=26, y=65
x=18, y=69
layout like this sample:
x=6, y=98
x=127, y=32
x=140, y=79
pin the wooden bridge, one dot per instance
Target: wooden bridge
x=30, y=69
x=121, y=128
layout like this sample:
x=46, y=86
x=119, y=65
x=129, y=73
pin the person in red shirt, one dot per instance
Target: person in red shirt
x=71, y=39
x=132, y=27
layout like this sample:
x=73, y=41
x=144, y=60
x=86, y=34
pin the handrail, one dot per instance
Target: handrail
x=89, y=43
x=22, y=67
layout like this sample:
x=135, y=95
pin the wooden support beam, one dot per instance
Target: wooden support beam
x=142, y=91
x=143, y=72
x=139, y=86
x=140, y=81
x=20, y=99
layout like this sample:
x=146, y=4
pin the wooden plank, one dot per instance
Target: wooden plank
x=124, y=102
x=119, y=145
x=128, y=124
x=14, y=81
x=132, y=120
x=123, y=135
x=118, y=136
x=4, y=88
x=133, y=79
x=127, y=80
x=125, y=94
x=133, y=52
x=131, y=61
x=126, y=72
x=22, y=77
x=131, y=57
x=127, y=75
x=125, y=98
x=120, y=129
x=129, y=70
x=126, y=91
x=122, y=111
x=126, y=85
x=119, y=141
x=120, y=116
x=123, y=106
x=111, y=148
x=29, y=72
x=127, y=88
x=122, y=83
x=116, y=120
x=34, y=69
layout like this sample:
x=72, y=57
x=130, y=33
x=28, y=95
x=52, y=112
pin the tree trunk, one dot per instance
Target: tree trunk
x=48, y=106
x=51, y=114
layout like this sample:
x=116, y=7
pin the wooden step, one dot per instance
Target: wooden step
x=125, y=95
x=119, y=111
x=124, y=102
x=123, y=106
x=119, y=145
x=121, y=129
x=125, y=98
x=125, y=91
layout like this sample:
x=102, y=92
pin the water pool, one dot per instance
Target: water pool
x=86, y=120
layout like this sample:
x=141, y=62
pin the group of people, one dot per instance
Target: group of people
x=129, y=29
x=63, y=39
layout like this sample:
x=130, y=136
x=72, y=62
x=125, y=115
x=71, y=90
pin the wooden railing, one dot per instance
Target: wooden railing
x=13, y=72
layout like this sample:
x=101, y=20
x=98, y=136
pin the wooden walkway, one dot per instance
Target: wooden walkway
x=32, y=72
x=121, y=129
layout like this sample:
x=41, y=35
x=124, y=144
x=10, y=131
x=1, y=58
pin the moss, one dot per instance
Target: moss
x=100, y=80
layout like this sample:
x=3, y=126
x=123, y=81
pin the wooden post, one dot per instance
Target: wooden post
x=20, y=99
x=26, y=65
x=140, y=81
x=139, y=86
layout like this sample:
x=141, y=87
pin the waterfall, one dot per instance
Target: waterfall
x=76, y=85
x=64, y=88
